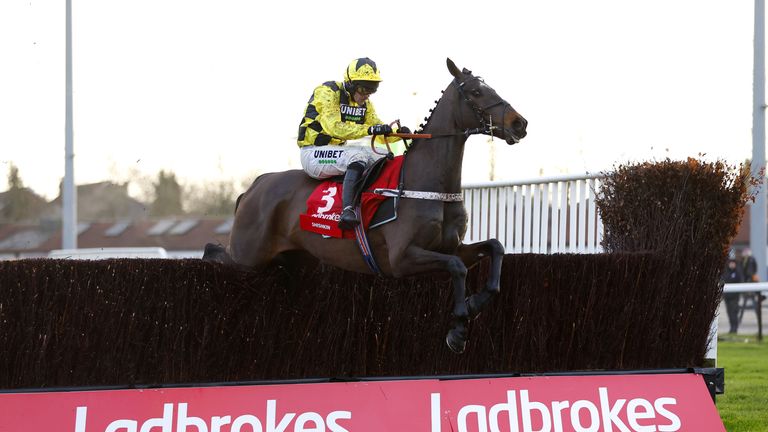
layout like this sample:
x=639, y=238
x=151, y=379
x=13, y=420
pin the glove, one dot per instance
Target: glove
x=403, y=130
x=379, y=129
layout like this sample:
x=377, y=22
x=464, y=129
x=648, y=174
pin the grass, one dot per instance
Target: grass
x=744, y=406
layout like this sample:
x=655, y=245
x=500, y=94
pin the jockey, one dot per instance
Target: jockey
x=336, y=113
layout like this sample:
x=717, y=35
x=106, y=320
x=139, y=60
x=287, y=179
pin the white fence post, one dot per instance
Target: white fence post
x=543, y=215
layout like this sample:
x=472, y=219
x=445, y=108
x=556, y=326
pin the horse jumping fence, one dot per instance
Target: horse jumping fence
x=543, y=215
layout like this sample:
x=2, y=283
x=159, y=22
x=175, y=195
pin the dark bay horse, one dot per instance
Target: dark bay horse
x=426, y=236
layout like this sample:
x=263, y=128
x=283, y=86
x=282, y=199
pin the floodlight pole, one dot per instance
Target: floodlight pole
x=68, y=191
x=757, y=212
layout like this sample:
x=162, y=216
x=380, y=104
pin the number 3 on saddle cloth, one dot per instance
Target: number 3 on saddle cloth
x=324, y=204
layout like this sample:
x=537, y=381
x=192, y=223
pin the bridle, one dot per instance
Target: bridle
x=481, y=112
x=486, y=128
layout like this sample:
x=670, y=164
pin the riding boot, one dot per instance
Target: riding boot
x=349, y=218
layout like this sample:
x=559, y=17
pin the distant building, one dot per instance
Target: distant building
x=101, y=201
x=182, y=237
x=108, y=217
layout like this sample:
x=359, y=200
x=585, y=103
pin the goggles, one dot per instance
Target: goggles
x=365, y=90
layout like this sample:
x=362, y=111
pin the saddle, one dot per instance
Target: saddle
x=324, y=204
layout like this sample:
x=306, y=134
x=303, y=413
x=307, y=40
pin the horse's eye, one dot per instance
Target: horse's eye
x=476, y=93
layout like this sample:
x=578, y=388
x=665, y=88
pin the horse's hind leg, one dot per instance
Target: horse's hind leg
x=416, y=260
x=470, y=255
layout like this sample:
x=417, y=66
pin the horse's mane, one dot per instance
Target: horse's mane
x=431, y=111
x=437, y=102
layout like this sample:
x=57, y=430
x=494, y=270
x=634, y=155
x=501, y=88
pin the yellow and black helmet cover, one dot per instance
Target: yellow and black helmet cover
x=362, y=72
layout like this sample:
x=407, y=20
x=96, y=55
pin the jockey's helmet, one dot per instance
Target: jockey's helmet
x=362, y=73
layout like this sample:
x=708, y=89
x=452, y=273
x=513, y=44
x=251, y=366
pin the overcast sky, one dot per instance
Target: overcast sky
x=215, y=89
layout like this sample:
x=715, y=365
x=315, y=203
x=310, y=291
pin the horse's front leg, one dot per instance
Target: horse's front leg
x=417, y=260
x=470, y=255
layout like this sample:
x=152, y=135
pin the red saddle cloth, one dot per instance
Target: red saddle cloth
x=324, y=204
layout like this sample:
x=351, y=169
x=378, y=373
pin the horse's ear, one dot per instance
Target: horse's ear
x=466, y=71
x=453, y=69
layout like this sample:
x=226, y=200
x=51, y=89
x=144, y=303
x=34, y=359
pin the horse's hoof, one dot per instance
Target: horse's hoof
x=456, y=341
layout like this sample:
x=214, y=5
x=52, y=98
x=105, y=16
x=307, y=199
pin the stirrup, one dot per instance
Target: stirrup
x=348, y=224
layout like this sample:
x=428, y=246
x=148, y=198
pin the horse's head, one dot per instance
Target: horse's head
x=487, y=109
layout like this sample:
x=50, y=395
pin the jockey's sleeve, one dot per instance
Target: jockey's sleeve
x=327, y=103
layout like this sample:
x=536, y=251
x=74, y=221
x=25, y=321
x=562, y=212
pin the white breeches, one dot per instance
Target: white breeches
x=332, y=160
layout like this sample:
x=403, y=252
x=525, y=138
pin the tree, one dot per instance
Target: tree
x=14, y=179
x=216, y=198
x=19, y=203
x=212, y=199
x=168, y=195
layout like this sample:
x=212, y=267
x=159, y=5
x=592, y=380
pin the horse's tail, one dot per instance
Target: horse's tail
x=237, y=201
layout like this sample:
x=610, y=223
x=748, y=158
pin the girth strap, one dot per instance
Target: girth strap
x=434, y=196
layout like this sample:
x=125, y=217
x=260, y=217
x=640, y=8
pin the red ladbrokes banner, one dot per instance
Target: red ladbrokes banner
x=674, y=402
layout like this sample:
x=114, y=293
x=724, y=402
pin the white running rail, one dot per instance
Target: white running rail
x=542, y=215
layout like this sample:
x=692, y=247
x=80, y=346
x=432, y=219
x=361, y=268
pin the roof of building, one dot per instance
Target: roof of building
x=173, y=234
x=102, y=200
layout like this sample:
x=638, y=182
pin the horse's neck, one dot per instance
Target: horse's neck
x=436, y=163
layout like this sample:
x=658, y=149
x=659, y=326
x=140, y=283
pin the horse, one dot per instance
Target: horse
x=427, y=235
